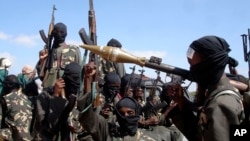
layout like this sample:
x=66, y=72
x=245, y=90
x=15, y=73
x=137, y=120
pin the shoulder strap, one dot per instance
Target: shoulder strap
x=223, y=92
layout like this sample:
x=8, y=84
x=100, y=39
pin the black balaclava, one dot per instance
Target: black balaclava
x=128, y=124
x=10, y=83
x=71, y=78
x=114, y=43
x=215, y=51
x=111, y=92
x=59, y=33
x=129, y=80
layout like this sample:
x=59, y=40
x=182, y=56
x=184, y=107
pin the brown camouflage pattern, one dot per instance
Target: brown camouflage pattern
x=65, y=53
x=18, y=117
x=105, y=67
x=74, y=124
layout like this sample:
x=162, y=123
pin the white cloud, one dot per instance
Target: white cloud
x=22, y=39
x=148, y=53
x=4, y=36
x=26, y=40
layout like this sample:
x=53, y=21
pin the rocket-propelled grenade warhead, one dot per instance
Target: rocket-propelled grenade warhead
x=115, y=54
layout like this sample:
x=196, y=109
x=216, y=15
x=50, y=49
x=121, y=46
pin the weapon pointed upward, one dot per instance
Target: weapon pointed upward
x=91, y=5
x=54, y=7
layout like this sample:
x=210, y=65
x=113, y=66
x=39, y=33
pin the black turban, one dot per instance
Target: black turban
x=112, y=78
x=128, y=102
x=215, y=58
x=114, y=43
x=10, y=83
x=59, y=33
x=110, y=91
x=128, y=124
x=71, y=77
x=131, y=79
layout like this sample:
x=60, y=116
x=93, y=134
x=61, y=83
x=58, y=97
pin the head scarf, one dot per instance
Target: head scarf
x=9, y=84
x=22, y=80
x=112, y=78
x=59, y=33
x=215, y=58
x=71, y=78
x=108, y=91
x=128, y=124
x=114, y=43
x=132, y=80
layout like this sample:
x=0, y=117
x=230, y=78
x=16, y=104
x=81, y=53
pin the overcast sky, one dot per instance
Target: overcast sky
x=162, y=28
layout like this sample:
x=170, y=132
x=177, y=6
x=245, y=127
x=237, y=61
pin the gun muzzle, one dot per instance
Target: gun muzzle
x=115, y=54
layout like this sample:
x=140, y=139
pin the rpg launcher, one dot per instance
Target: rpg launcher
x=118, y=55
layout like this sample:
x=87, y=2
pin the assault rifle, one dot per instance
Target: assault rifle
x=130, y=80
x=91, y=85
x=246, y=53
x=158, y=79
x=140, y=79
x=48, y=43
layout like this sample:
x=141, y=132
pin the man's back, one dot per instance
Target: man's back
x=17, y=114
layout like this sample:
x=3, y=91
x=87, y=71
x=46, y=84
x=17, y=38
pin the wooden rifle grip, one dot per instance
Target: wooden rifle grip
x=63, y=94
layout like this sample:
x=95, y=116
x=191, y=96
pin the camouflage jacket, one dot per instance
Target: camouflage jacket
x=62, y=56
x=16, y=116
x=106, y=66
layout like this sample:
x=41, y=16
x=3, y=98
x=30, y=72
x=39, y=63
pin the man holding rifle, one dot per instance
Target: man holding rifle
x=57, y=57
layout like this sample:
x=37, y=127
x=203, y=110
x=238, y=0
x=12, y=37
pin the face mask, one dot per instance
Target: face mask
x=205, y=73
x=71, y=87
x=128, y=124
x=59, y=33
x=23, y=80
x=110, y=92
x=59, y=36
x=114, y=90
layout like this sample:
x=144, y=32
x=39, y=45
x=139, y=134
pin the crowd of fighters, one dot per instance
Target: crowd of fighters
x=70, y=107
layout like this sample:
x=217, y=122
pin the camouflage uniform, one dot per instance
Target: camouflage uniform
x=77, y=131
x=106, y=66
x=63, y=55
x=16, y=116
